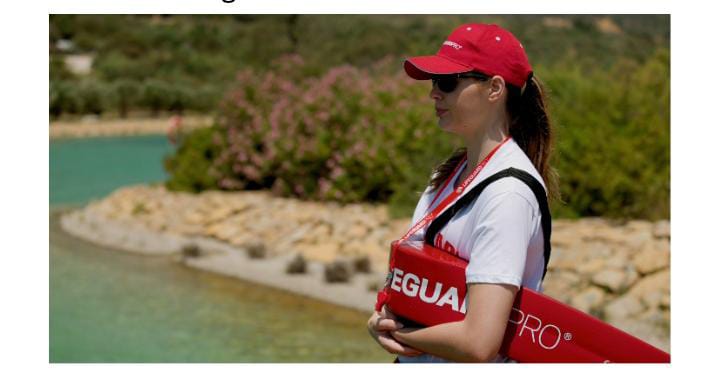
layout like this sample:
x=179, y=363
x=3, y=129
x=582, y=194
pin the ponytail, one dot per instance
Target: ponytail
x=529, y=127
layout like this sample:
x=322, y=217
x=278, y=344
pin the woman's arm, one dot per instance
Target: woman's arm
x=478, y=337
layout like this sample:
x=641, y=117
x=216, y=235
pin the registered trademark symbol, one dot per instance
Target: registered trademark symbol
x=567, y=336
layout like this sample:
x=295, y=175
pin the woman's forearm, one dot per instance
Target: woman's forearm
x=452, y=341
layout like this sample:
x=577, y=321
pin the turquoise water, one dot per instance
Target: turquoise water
x=111, y=306
x=84, y=169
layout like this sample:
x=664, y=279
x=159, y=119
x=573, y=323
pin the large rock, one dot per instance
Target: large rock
x=588, y=299
x=614, y=280
x=566, y=259
x=561, y=284
x=618, y=260
x=657, y=282
x=665, y=302
x=320, y=233
x=590, y=267
x=652, y=299
x=321, y=252
x=623, y=307
x=655, y=256
x=662, y=229
x=358, y=248
x=636, y=239
x=655, y=317
x=356, y=231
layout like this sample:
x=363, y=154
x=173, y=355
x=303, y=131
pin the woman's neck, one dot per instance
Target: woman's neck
x=479, y=147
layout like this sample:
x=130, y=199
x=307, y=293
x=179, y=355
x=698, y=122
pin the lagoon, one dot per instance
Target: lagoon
x=111, y=306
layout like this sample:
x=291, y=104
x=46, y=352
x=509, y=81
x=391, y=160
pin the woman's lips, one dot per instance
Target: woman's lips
x=440, y=112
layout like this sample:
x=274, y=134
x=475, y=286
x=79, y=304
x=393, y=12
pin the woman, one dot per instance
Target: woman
x=484, y=91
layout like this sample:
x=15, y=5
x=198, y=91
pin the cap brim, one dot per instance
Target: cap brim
x=424, y=67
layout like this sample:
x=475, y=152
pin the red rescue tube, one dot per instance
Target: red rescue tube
x=540, y=328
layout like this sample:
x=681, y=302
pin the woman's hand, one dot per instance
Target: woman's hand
x=379, y=326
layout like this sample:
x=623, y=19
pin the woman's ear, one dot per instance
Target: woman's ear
x=496, y=88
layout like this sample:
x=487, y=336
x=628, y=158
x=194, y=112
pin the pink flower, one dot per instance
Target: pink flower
x=323, y=186
x=299, y=189
x=336, y=172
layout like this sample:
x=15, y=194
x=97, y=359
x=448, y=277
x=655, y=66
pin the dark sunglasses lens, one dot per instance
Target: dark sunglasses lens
x=446, y=84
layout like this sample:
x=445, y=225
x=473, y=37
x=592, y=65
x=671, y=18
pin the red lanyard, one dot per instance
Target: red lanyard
x=453, y=195
x=437, y=194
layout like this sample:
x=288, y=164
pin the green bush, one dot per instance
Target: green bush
x=125, y=94
x=155, y=95
x=93, y=97
x=191, y=165
x=367, y=135
x=613, y=139
x=64, y=98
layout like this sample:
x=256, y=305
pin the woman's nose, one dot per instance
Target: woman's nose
x=435, y=93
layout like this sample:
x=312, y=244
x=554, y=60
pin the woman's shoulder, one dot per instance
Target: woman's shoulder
x=511, y=188
x=507, y=190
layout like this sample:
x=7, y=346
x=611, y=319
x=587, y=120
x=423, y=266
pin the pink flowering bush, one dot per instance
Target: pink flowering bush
x=349, y=135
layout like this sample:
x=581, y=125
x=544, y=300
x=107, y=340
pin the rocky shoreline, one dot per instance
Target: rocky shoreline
x=617, y=272
x=90, y=126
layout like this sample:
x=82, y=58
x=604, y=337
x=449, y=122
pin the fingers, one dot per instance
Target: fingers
x=386, y=324
x=380, y=322
x=393, y=346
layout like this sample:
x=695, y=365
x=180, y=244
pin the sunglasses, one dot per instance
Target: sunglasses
x=448, y=83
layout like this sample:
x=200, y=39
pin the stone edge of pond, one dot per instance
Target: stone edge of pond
x=95, y=127
x=222, y=258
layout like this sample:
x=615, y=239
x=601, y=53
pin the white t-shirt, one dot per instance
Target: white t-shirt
x=499, y=233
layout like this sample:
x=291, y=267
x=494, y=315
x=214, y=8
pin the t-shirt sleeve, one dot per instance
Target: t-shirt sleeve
x=421, y=206
x=500, y=238
x=420, y=209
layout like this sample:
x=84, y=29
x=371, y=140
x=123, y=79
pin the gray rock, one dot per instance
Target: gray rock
x=362, y=264
x=256, y=249
x=297, y=265
x=339, y=271
x=191, y=250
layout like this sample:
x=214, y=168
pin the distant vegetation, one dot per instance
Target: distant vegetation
x=318, y=107
x=186, y=62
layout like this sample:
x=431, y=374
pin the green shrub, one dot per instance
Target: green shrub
x=613, y=139
x=155, y=95
x=191, y=165
x=366, y=135
x=93, y=97
x=125, y=95
x=64, y=98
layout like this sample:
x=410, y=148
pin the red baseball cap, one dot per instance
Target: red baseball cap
x=484, y=48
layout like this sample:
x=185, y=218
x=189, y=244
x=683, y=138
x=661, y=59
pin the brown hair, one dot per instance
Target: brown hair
x=531, y=129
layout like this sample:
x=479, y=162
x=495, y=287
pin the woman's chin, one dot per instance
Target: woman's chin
x=446, y=126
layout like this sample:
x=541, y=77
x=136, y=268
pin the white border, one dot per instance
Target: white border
x=25, y=165
x=359, y=7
